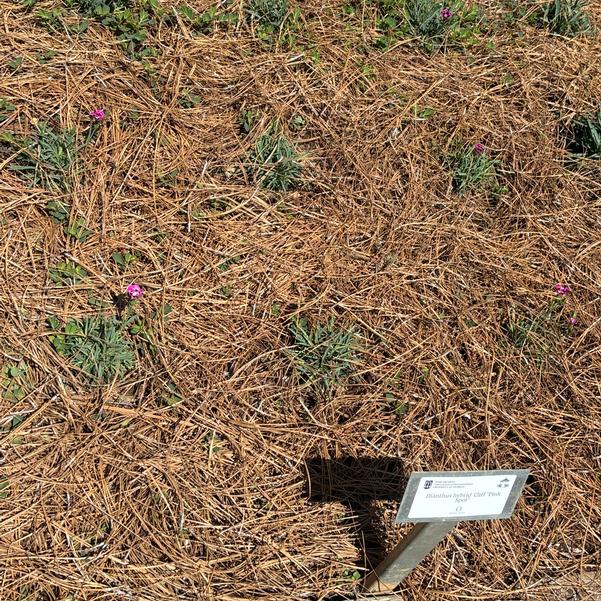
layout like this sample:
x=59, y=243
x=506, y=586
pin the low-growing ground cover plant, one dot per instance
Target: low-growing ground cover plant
x=323, y=354
x=49, y=157
x=67, y=273
x=13, y=381
x=6, y=108
x=274, y=21
x=51, y=19
x=124, y=259
x=77, y=229
x=569, y=18
x=274, y=162
x=45, y=158
x=129, y=20
x=58, y=210
x=433, y=23
x=584, y=137
x=98, y=345
x=566, y=17
x=537, y=335
x=269, y=13
x=472, y=167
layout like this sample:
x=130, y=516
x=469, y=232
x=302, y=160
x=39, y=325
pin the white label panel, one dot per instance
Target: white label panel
x=453, y=497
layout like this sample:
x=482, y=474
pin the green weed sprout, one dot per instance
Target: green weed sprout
x=130, y=21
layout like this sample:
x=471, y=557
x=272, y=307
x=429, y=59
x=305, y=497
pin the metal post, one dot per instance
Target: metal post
x=406, y=555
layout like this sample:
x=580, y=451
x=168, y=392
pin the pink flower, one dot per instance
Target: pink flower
x=446, y=13
x=561, y=290
x=134, y=291
x=573, y=321
x=98, y=114
x=479, y=148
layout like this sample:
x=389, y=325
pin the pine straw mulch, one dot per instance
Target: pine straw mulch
x=111, y=493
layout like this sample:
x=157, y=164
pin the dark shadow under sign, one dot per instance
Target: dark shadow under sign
x=358, y=482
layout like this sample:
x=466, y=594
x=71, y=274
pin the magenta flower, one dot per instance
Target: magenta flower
x=134, y=291
x=479, y=148
x=561, y=290
x=98, y=114
x=573, y=321
x=446, y=13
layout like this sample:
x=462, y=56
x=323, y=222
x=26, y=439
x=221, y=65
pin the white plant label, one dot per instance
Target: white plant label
x=454, y=497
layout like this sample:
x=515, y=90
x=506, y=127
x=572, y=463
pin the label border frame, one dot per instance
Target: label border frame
x=412, y=484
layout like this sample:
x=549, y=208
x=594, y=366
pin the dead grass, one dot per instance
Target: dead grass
x=114, y=494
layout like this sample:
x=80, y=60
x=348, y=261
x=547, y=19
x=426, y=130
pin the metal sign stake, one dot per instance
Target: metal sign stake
x=435, y=502
x=406, y=556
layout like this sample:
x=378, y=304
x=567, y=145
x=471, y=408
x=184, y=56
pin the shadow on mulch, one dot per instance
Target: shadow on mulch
x=359, y=483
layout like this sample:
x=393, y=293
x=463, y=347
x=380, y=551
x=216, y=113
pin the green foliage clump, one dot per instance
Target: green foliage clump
x=207, y=20
x=585, y=136
x=274, y=161
x=13, y=381
x=6, y=108
x=98, y=8
x=566, y=17
x=77, y=229
x=351, y=575
x=429, y=22
x=269, y=13
x=67, y=273
x=274, y=21
x=15, y=63
x=323, y=355
x=97, y=345
x=129, y=20
x=537, y=335
x=471, y=169
x=529, y=335
x=248, y=120
x=46, y=158
x=124, y=259
x=58, y=210
x=398, y=407
x=51, y=18
x=189, y=100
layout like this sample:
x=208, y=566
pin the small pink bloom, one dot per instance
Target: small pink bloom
x=573, y=321
x=561, y=290
x=479, y=148
x=446, y=13
x=134, y=291
x=98, y=114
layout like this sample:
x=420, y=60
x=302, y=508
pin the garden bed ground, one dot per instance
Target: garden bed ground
x=185, y=477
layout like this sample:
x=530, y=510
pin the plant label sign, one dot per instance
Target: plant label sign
x=458, y=496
